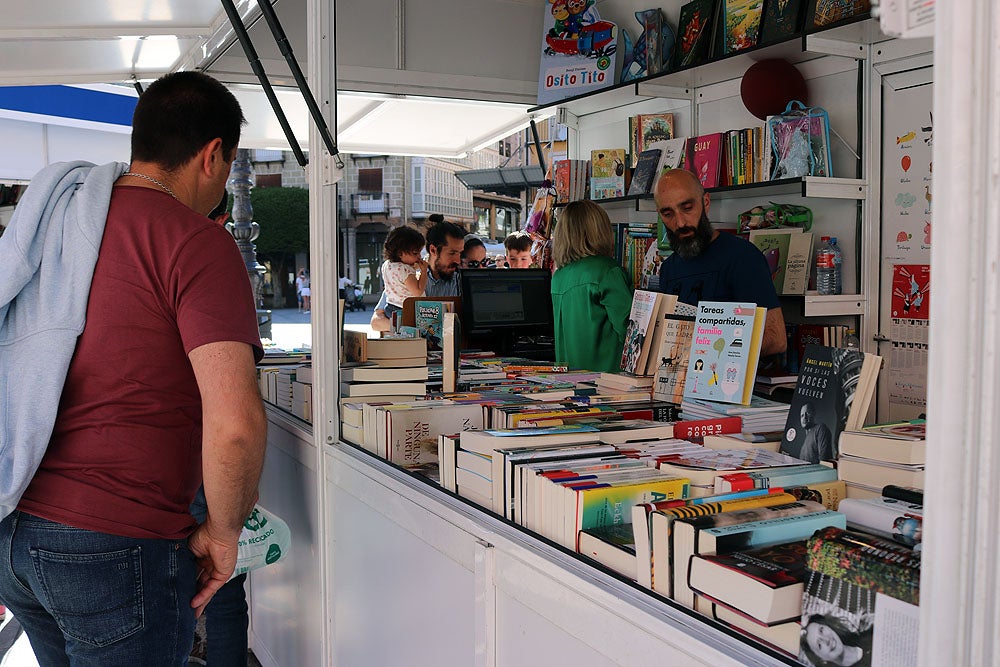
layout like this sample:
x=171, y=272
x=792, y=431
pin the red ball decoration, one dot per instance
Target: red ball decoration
x=769, y=85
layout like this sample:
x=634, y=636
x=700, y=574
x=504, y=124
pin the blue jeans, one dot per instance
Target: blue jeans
x=226, y=617
x=87, y=598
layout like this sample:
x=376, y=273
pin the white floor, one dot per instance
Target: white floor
x=20, y=654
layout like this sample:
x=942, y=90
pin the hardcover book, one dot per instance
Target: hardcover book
x=645, y=172
x=833, y=392
x=868, y=561
x=607, y=173
x=742, y=24
x=765, y=584
x=725, y=351
x=676, y=335
x=654, y=127
x=694, y=33
x=782, y=19
x=825, y=12
x=706, y=159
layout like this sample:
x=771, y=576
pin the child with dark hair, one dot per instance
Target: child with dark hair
x=401, y=267
x=518, y=247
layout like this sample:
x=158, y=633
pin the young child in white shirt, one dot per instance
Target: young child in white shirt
x=401, y=267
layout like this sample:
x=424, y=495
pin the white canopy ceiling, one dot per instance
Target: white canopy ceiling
x=118, y=41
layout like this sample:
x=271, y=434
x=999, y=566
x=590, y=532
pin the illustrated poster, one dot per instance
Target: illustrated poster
x=907, y=206
x=578, y=51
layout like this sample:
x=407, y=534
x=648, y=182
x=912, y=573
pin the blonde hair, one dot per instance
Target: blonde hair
x=583, y=230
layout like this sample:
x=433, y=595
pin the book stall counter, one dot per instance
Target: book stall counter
x=444, y=579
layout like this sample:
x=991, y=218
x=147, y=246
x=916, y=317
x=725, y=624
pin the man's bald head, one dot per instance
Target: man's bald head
x=683, y=205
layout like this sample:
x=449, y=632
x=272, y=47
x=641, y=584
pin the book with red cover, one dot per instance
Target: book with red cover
x=699, y=428
x=706, y=159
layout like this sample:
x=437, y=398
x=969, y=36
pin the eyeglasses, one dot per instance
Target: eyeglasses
x=474, y=264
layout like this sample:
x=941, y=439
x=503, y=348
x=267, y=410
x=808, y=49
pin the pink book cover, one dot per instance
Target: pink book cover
x=706, y=159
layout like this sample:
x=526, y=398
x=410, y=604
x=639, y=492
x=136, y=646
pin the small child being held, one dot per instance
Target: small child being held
x=399, y=270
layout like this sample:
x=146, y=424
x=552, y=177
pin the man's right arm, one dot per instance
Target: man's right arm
x=234, y=434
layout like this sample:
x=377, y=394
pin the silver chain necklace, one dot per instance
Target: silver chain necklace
x=152, y=180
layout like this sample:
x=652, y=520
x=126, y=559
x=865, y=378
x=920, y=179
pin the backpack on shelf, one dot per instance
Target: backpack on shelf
x=800, y=139
x=775, y=215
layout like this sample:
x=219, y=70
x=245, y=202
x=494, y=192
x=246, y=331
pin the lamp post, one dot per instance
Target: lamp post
x=245, y=231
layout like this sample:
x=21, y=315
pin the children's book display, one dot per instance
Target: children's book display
x=725, y=351
x=579, y=51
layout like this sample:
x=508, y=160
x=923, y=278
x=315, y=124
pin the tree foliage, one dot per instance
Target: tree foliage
x=283, y=216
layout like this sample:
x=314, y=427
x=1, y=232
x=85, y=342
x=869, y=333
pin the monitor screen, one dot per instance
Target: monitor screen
x=506, y=298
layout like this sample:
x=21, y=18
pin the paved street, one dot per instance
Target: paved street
x=291, y=329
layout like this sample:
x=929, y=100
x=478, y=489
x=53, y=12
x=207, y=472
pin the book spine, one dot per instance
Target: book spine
x=699, y=428
x=870, y=562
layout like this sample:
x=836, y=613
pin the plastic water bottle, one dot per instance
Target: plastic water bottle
x=838, y=265
x=851, y=340
x=825, y=279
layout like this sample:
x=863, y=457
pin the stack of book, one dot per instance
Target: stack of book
x=873, y=456
x=302, y=393
x=388, y=368
x=761, y=416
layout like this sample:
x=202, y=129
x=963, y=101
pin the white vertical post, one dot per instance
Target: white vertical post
x=323, y=226
x=960, y=587
x=486, y=605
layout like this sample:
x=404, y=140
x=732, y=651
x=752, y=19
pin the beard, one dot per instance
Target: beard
x=442, y=269
x=690, y=246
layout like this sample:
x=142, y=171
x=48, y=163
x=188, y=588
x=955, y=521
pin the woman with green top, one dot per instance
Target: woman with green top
x=591, y=295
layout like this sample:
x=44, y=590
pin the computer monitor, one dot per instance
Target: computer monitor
x=508, y=310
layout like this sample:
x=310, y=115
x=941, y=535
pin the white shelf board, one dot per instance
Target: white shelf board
x=808, y=186
x=827, y=305
x=850, y=40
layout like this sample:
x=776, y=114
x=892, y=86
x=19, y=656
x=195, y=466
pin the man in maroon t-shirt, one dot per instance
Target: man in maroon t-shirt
x=106, y=564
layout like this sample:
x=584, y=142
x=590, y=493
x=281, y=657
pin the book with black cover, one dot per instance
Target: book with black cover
x=645, y=172
x=834, y=389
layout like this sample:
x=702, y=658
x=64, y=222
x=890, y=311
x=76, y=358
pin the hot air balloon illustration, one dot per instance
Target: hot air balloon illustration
x=905, y=162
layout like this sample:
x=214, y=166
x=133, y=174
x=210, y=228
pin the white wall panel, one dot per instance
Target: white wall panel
x=23, y=151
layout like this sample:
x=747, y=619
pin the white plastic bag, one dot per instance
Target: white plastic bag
x=265, y=539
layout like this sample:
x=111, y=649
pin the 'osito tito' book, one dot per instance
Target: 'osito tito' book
x=725, y=351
